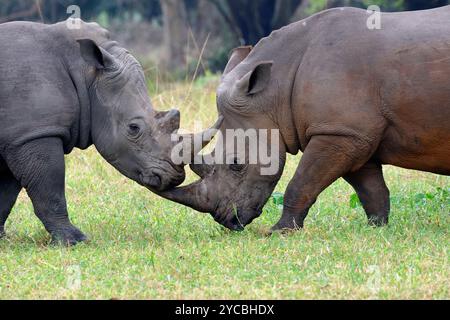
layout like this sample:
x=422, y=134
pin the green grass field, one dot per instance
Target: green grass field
x=148, y=248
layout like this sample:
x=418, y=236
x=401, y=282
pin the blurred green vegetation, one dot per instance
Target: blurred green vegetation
x=229, y=22
x=55, y=10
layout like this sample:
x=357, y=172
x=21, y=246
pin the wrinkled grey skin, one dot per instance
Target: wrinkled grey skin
x=351, y=99
x=62, y=89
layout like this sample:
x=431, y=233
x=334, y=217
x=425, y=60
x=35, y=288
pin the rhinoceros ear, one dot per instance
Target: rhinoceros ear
x=94, y=55
x=236, y=57
x=256, y=80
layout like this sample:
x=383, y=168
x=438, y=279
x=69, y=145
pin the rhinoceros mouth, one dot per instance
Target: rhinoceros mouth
x=233, y=218
x=245, y=217
x=158, y=181
x=235, y=225
x=228, y=220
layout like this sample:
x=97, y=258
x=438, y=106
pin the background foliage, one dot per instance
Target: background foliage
x=176, y=31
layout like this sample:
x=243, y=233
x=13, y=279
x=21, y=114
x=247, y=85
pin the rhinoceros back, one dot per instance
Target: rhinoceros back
x=41, y=76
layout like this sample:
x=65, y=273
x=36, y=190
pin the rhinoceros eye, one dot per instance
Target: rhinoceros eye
x=134, y=130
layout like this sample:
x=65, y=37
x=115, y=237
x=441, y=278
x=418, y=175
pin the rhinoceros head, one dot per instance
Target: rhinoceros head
x=241, y=175
x=125, y=128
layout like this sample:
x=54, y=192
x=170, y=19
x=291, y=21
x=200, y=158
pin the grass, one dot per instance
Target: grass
x=148, y=248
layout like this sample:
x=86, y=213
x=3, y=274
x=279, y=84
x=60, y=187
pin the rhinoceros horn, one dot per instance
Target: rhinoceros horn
x=202, y=170
x=198, y=141
x=193, y=196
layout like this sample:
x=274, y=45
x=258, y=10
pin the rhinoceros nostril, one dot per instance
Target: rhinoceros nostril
x=152, y=181
x=156, y=180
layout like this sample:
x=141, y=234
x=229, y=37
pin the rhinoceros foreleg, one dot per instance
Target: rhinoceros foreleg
x=371, y=188
x=9, y=190
x=326, y=159
x=39, y=166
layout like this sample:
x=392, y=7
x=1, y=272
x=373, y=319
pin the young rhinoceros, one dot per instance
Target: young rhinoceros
x=351, y=99
x=63, y=88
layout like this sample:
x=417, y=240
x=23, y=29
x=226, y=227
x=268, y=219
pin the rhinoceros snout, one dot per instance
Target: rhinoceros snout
x=162, y=181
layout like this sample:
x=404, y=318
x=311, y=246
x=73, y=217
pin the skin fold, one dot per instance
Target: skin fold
x=351, y=99
x=61, y=89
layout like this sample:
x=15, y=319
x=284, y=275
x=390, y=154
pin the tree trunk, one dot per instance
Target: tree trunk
x=300, y=12
x=424, y=4
x=284, y=10
x=26, y=13
x=254, y=19
x=175, y=33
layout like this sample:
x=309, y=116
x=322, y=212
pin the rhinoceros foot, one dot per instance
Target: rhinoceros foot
x=378, y=221
x=68, y=236
x=285, y=228
x=289, y=222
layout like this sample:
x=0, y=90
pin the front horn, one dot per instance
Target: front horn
x=194, y=196
x=198, y=141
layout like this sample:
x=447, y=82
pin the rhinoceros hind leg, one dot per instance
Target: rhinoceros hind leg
x=39, y=165
x=371, y=188
x=9, y=190
x=326, y=159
